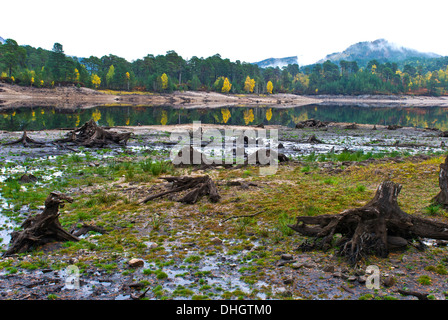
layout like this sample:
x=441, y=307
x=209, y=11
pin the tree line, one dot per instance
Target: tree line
x=29, y=66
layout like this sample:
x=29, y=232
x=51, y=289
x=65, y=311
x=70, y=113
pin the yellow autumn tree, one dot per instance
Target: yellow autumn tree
x=269, y=114
x=225, y=115
x=249, y=84
x=164, y=79
x=269, y=87
x=128, y=77
x=248, y=116
x=96, y=115
x=226, y=86
x=76, y=74
x=164, y=118
x=96, y=81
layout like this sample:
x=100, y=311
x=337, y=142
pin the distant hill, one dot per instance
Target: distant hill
x=381, y=50
x=2, y=41
x=277, y=62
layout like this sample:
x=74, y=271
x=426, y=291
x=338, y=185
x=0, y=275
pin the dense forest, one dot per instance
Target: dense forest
x=37, y=67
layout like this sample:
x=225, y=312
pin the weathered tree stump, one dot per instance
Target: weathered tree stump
x=25, y=141
x=41, y=228
x=375, y=228
x=351, y=126
x=91, y=135
x=200, y=186
x=442, y=197
x=311, y=123
x=312, y=139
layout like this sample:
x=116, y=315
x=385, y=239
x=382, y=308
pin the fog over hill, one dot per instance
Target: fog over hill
x=361, y=52
x=380, y=50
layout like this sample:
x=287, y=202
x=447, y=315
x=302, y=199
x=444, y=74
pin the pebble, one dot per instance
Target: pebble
x=286, y=256
x=136, y=263
x=329, y=268
x=216, y=241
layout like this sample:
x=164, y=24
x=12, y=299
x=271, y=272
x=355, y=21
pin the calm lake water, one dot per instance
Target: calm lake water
x=39, y=118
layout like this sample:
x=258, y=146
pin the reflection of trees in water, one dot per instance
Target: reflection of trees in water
x=39, y=118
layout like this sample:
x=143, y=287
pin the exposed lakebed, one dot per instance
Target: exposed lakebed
x=180, y=260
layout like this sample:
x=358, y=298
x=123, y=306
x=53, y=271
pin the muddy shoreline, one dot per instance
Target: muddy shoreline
x=13, y=96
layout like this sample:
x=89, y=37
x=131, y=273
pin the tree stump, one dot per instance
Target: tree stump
x=311, y=123
x=91, y=135
x=41, y=228
x=25, y=141
x=200, y=186
x=374, y=228
x=442, y=197
x=312, y=139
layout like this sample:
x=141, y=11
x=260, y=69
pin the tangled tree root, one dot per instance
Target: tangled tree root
x=375, y=228
x=91, y=135
x=200, y=186
x=42, y=228
x=25, y=141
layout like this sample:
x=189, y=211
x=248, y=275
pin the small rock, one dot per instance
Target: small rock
x=216, y=241
x=72, y=261
x=337, y=274
x=136, y=263
x=286, y=256
x=288, y=280
x=362, y=279
x=297, y=265
x=310, y=265
x=329, y=268
x=351, y=278
x=388, y=281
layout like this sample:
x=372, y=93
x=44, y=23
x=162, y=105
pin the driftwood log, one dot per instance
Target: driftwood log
x=198, y=186
x=91, y=135
x=375, y=228
x=41, y=228
x=25, y=141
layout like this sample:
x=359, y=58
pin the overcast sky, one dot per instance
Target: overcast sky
x=243, y=30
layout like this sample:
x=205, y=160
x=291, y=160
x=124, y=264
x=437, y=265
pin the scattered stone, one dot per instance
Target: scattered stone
x=388, y=281
x=362, y=279
x=288, y=280
x=287, y=256
x=136, y=263
x=297, y=265
x=337, y=274
x=216, y=241
x=329, y=268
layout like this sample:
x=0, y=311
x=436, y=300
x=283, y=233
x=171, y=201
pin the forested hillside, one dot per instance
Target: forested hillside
x=37, y=67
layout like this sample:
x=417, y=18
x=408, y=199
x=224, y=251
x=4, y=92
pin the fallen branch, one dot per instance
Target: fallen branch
x=420, y=296
x=242, y=216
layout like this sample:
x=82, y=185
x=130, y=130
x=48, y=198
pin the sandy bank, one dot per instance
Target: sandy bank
x=12, y=96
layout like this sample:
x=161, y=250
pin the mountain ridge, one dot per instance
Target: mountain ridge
x=380, y=50
x=277, y=62
x=361, y=52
